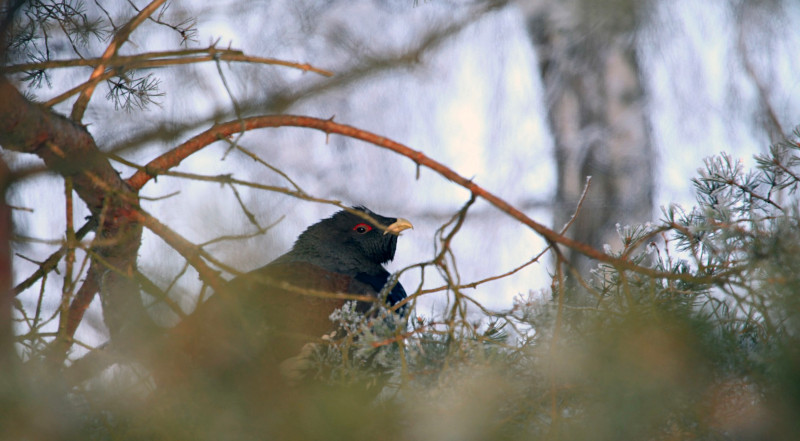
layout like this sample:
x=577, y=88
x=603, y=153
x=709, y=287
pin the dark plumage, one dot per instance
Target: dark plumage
x=267, y=315
x=347, y=243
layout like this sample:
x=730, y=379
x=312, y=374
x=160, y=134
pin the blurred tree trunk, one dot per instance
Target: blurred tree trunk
x=596, y=111
x=7, y=356
x=9, y=362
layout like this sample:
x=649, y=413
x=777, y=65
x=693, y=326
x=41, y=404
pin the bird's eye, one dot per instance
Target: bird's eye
x=362, y=228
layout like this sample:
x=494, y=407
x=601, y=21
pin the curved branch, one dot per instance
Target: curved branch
x=174, y=157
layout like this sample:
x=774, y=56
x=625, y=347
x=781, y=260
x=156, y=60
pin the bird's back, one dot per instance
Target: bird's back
x=263, y=317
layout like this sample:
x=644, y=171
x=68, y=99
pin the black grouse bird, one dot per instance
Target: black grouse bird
x=267, y=315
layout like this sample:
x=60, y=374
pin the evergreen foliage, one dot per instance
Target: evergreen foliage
x=707, y=351
x=705, y=345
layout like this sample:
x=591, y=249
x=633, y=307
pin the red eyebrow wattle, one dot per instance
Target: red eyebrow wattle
x=367, y=226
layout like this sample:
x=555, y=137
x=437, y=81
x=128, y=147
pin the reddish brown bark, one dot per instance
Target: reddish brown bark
x=68, y=148
x=7, y=355
x=173, y=157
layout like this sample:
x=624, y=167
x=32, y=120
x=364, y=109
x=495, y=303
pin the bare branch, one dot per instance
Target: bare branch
x=173, y=157
x=51, y=262
x=150, y=60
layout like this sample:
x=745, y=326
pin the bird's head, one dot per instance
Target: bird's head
x=350, y=242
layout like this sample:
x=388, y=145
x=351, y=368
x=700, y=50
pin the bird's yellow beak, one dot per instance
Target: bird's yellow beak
x=397, y=227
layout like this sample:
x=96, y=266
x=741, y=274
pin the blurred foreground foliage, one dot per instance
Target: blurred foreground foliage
x=708, y=350
x=705, y=346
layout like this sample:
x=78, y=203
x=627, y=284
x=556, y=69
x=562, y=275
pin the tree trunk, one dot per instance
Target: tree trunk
x=596, y=112
x=69, y=149
x=7, y=356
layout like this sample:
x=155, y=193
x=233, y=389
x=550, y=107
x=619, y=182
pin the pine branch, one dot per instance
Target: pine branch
x=119, y=39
